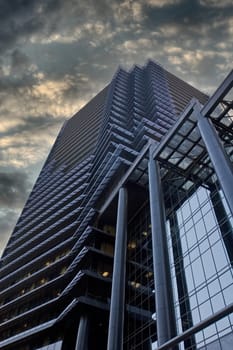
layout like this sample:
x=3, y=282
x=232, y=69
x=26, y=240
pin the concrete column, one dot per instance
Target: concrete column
x=218, y=156
x=116, y=317
x=165, y=315
x=82, y=336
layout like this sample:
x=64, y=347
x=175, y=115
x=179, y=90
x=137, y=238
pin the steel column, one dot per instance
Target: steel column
x=82, y=336
x=165, y=315
x=116, y=317
x=182, y=288
x=147, y=345
x=218, y=156
x=224, y=223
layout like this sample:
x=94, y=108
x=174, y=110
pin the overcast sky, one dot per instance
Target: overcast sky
x=56, y=54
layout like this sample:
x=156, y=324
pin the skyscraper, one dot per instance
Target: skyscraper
x=126, y=240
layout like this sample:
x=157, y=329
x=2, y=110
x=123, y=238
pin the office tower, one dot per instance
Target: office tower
x=126, y=239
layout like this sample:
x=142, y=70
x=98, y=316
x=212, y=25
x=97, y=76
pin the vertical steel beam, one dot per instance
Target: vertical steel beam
x=82, y=336
x=218, y=156
x=182, y=288
x=116, y=317
x=147, y=345
x=165, y=315
x=223, y=222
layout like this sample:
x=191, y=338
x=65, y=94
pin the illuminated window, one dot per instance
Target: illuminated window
x=135, y=284
x=109, y=229
x=105, y=273
x=104, y=269
x=149, y=274
x=63, y=270
x=132, y=245
x=43, y=281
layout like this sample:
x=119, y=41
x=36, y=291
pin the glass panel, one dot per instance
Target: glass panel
x=195, y=135
x=185, y=128
x=185, y=146
x=176, y=139
x=195, y=152
x=175, y=158
x=166, y=152
x=185, y=163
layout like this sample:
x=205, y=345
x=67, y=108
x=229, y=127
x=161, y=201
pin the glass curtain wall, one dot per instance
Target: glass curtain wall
x=140, y=323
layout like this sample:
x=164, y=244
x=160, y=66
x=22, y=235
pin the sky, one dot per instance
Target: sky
x=57, y=54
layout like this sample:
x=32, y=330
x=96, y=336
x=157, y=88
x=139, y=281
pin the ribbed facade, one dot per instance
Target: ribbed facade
x=56, y=271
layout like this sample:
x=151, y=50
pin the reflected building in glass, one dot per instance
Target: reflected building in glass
x=126, y=240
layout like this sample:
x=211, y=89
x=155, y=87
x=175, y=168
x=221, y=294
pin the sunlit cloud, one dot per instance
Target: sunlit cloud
x=134, y=45
x=21, y=150
x=50, y=89
x=169, y=31
x=7, y=124
x=161, y=3
x=127, y=10
x=172, y=49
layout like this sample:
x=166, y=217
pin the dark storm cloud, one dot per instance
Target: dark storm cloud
x=193, y=21
x=185, y=12
x=20, y=75
x=20, y=19
x=176, y=13
x=13, y=84
x=19, y=60
x=33, y=124
x=17, y=22
x=9, y=8
x=8, y=220
x=44, y=18
x=13, y=189
x=192, y=27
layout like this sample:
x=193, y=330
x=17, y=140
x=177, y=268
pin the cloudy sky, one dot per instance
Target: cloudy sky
x=56, y=54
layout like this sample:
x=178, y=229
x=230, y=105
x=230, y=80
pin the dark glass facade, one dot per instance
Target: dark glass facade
x=126, y=240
